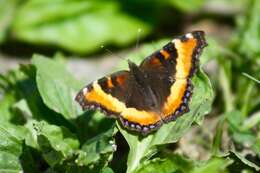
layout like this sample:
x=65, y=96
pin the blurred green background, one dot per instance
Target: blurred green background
x=81, y=31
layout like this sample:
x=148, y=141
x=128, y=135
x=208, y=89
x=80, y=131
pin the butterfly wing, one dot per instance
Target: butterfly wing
x=168, y=74
x=169, y=71
x=118, y=95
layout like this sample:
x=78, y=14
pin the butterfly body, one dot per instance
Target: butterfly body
x=155, y=92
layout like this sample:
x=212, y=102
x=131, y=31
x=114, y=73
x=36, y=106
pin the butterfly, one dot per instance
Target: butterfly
x=155, y=92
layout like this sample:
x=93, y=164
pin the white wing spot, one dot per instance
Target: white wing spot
x=85, y=90
x=189, y=35
x=174, y=40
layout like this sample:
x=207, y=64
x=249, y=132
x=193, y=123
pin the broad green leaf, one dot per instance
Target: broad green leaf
x=60, y=138
x=97, y=151
x=57, y=86
x=107, y=170
x=10, y=149
x=5, y=107
x=51, y=155
x=7, y=9
x=21, y=84
x=172, y=163
x=214, y=165
x=79, y=26
x=188, y=5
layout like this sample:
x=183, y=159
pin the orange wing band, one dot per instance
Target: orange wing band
x=97, y=95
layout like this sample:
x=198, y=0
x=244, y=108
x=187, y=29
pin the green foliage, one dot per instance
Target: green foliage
x=173, y=163
x=249, y=25
x=46, y=127
x=7, y=9
x=10, y=149
x=98, y=22
x=167, y=163
x=58, y=93
x=83, y=26
x=189, y=5
x=42, y=129
x=59, y=140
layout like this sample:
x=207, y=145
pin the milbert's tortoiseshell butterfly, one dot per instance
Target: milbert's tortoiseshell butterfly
x=153, y=93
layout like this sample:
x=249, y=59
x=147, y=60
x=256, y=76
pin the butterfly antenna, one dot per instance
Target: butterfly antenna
x=138, y=38
x=113, y=54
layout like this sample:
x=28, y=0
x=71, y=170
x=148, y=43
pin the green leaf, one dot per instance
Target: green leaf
x=50, y=154
x=214, y=165
x=252, y=78
x=188, y=5
x=217, y=140
x=21, y=85
x=240, y=135
x=249, y=36
x=5, y=107
x=57, y=86
x=172, y=163
x=7, y=9
x=243, y=159
x=79, y=26
x=256, y=147
x=97, y=151
x=60, y=138
x=107, y=170
x=10, y=149
x=251, y=121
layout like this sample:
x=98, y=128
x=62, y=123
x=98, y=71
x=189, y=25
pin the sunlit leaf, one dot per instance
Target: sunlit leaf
x=189, y=5
x=7, y=10
x=79, y=26
x=10, y=149
x=57, y=86
x=107, y=170
x=98, y=150
x=56, y=143
x=172, y=163
x=249, y=36
x=5, y=107
x=214, y=165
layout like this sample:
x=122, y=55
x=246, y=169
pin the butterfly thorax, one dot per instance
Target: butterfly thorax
x=140, y=78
